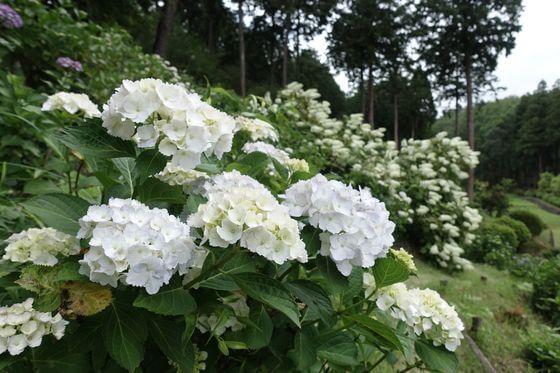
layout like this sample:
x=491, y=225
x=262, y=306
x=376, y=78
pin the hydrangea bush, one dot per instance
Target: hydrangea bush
x=235, y=259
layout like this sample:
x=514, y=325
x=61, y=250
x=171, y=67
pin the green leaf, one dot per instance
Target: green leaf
x=59, y=211
x=168, y=301
x=69, y=271
x=339, y=349
x=52, y=358
x=269, y=292
x=436, y=358
x=168, y=336
x=93, y=140
x=388, y=271
x=383, y=333
x=314, y=297
x=304, y=353
x=257, y=162
x=124, y=332
x=258, y=333
x=193, y=202
x=281, y=169
x=125, y=166
x=240, y=263
x=236, y=345
x=336, y=281
x=149, y=163
x=156, y=191
x=355, y=285
x=310, y=236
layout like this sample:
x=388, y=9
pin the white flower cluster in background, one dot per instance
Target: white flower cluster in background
x=257, y=128
x=240, y=209
x=140, y=246
x=217, y=324
x=292, y=164
x=182, y=126
x=72, y=103
x=22, y=326
x=435, y=169
x=356, y=227
x=425, y=312
x=40, y=246
x=188, y=179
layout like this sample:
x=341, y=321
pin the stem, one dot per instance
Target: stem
x=204, y=275
x=358, y=303
x=378, y=362
x=69, y=179
x=80, y=166
x=416, y=365
x=286, y=272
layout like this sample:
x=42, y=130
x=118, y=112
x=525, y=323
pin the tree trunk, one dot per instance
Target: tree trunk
x=209, y=15
x=456, y=116
x=241, y=49
x=362, y=92
x=165, y=25
x=370, y=96
x=470, y=124
x=285, y=51
x=413, y=132
x=396, y=119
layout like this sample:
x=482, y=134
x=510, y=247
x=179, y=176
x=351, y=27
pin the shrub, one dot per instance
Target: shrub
x=532, y=221
x=526, y=266
x=495, y=244
x=546, y=290
x=544, y=355
x=521, y=231
x=493, y=198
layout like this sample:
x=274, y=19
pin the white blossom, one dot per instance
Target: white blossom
x=72, y=103
x=292, y=164
x=257, y=128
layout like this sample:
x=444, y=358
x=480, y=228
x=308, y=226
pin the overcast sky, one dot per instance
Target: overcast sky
x=536, y=55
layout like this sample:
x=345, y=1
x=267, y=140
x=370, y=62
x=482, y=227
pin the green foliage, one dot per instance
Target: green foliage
x=544, y=355
x=546, y=290
x=496, y=244
x=522, y=233
x=493, y=198
x=532, y=221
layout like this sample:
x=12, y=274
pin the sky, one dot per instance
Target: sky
x=536, y=54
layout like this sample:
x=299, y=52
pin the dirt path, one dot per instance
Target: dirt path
x=544, y=205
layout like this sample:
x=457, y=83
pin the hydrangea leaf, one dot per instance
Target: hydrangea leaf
x=336, y=281
x=148, y=163
x=436, y=358
x=169, y=300
x=314, y=297
x=269, y=292
x=124, y=332
x=388, y=271
x=84, y=298
x=125, y=165
x=240, y=263
x=382, y=332
x=168, y=337
x=59, y=211
x=339, y=349
x=258, y=332
x=304, y=353
x=156, y=191
x=91, y=139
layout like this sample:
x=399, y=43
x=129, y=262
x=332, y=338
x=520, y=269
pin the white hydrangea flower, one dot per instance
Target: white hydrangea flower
x=218, y=324
x=183, y=126
x=257, y=128
x=405, y=257
x=292, y=164
x=240, y=209
x=356, y=227
x=140, y=246
x=21, y=326
x=188, y=179
x=40, y=246
x=72, y=103
x=425, y=312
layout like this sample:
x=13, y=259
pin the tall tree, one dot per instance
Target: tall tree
x=164, y=27
x=474, y=33
x=242, y=79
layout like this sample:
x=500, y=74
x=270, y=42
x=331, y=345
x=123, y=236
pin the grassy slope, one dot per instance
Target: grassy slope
x=501, y=303
x=551, y=220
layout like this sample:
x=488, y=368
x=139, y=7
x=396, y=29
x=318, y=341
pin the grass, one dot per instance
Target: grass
x=551, y=220
x=500, y=300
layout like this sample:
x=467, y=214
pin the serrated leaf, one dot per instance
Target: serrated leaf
x=168, y=336
x=59, y=211
x=240, y=263
x=436, y=358
x=93, y=140
x=156, y=191
x=257, y=162
x=388, y=271
x=85, y=298
x=269, y=292
x=314, y=297
x=169, y=300
x=258, y=333
x=332, y=275
x=304, y=353
x=124, y=332
x=149, y=163
x=125, y=165
x=51, y=358
x=339, y=349
x=310, y=236
x=384, y=334
x=281, y=169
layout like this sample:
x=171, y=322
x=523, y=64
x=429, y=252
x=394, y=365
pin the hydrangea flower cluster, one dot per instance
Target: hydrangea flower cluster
x=425, y=312
x=217, y=324
x=72, y=103
x=22, y=326
x=257, y=128
x=405, y=257
x=68, y=63
x=292, y=164
x=240, y=209
x=9, y=18
x=356, y=227
x=435, y=169
x=140, y=246
x=188, y=179
x=40, y=246
x=182, y=126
